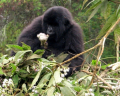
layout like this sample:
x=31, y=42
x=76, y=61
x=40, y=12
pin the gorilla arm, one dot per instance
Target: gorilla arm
x=74, y=45
x=29, y=34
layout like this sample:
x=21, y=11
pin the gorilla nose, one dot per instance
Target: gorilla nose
x=50, y=32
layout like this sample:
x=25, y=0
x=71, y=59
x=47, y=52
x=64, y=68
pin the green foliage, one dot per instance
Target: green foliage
x=94, y=62
x=28, y=69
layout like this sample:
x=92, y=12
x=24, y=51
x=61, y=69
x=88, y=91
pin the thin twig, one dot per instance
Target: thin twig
x=98, y=78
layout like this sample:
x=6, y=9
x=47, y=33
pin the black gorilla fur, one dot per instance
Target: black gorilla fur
x=67, y=35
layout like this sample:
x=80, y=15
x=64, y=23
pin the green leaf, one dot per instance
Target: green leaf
x=39, y=52
x=89, y=3
x=15, y=79
x=94, y=62
x=23, y=73
x=77, y=88
x=57, y=77
x=51, y=82
x=60, y=57
x=117, y=34
x=50, y=91
x=24, y=87
x=107, y=25
x=15, y=47
x=66, y=91
x=92, y=7
x=25, y=46
x=104, y=66
x=2, y=58
x=33, y=56
x=19, y=54
x=37, y=76
x=20, y=94
x=1, y=72
x=67, y=84
x=94, y=11
x=118, y=11
x=13, y=68
x=44, y=80
x=84, y=2
x=107, y=10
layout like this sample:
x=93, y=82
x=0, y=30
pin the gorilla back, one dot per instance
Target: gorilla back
x=64, y=35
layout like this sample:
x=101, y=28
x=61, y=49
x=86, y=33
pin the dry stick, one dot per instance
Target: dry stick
x=117, y=52
x=98, y=78
x=80, y=54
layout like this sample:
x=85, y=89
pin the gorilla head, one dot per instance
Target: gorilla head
x=56, y=21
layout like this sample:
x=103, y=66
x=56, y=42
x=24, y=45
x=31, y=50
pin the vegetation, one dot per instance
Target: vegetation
x=27, y=74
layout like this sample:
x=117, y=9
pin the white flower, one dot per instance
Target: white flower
x=3, y=91
x=90, y=90
x=33, y=87
x=5, y=81
x=10, y=82
x=65, y=73
x=18, y=60
x=67, y=70
x=61, y=69
x=62, y=75
x=4, y=85
x=86, y=94
x=11, y=58
x=89, y=94
x=42, y=36
x=33, y=90
x=36, y=91
x=43, y=65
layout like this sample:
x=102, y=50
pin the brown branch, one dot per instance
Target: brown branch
x=80, y=54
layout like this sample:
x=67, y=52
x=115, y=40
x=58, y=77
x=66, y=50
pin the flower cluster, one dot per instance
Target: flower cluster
x=64, y=72
x=90, y=93
x=7, y=87
x=34, y=89
x=42, y=36
x=12, y=59
x=7, y=83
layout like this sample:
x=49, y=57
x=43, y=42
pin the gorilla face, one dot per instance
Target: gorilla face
x=50, y=30
x=55, y=22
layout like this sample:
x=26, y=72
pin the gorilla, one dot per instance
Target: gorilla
x=65, y=35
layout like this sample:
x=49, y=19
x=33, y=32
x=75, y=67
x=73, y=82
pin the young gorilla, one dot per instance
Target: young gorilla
x=64, y=35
